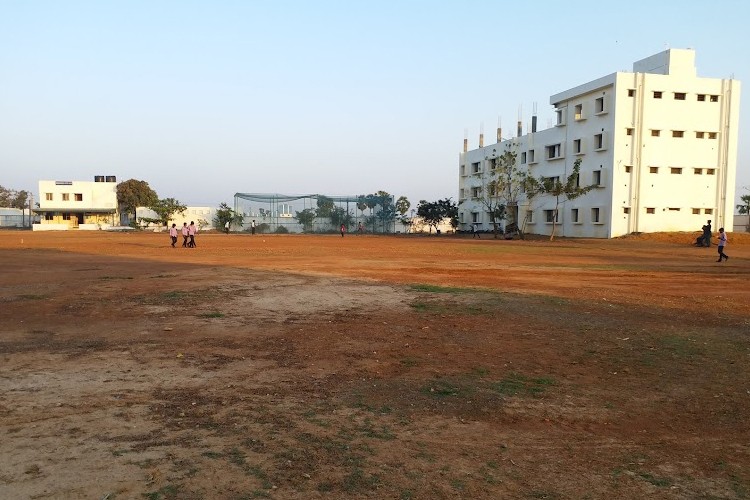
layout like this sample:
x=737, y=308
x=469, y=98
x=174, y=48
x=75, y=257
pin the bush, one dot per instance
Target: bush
x=281, y=230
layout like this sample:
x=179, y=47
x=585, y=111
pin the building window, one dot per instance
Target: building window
x=626, y=210
x=675, y=170
x=493, y=163
x=560, y=117
x=710, y=171
x=655, y=133
x=461, y=194
x=79, y=196
x=673, y=209
x=714, y=98
x=712, y=135
x=650, y=210
x=595, y=215
x=523, y=158
x=48, y=196
x=698, y=171
x=629, y=131
x=66, y=197
x=596, y=177
x=476, y=192
x=657, y=94
x=550, y=216
x=599, y=105
x=631, y=92
x=577, y=148
x=66, y=216
x=475, y=168
x=49, y=216
x=653, y=170
x=701, y=97
x=696, y=211
x=679, y=96
x=628, y=169
x=708, y=211
x=554, y=151
x=699, y=135
x=463, y=169
x=475, y=217
x=579, y=112
x=530, y=216
x=574, y=215
x=678, y=133
x=531, y=156
x=599, y=142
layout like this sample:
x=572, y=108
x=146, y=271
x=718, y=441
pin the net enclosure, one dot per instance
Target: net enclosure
x=316, y=213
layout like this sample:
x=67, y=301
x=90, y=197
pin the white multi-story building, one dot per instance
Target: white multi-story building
x=659, y=143
x=77, y=204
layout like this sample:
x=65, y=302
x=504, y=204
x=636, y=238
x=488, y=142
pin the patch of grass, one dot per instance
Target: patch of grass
x=661, y=482
x=423, y=287
x=443, y=388
x=369, y=430
x=165, y=492
x=30, y=296
x=516, y=384
x=357, y=481
x=410, y=362
x=214, y=314
x=212, y=454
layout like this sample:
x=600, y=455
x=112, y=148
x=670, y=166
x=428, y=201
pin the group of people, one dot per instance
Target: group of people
x=188, y=234
x=704, y=240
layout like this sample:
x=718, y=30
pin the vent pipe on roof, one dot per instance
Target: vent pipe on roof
x=466, y=140
x=481, y=135
x=533, y=119
x=520, y=125
x=499, y=131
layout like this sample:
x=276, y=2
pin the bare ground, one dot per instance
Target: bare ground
x=383, y=367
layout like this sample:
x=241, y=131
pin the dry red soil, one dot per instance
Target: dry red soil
x=294, y=366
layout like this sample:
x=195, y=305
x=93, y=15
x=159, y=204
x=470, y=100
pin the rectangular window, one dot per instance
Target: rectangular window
x=599, y=105
x=49, y=216
x=461, y=193
x=560, y=117
x=530, y=216
x=48, y=196
x=595, y=215
x=577, y=147
x=708, y=211
x=631, y=92
x=599, y=141
x=523, y=158
x=79, y=196
x=629, y=131
x=476, y=192
x=710, y=171
x=650, y=210
x=675, y=170
x=698, y=171
x=696, y=211
x=554, y=151
x=679, y=96
x=699, y=135
x=673, y=209
x=655, y=133
x=657, y=95
x=678, y=133
x=626, y=210
x=550, y=216
x=653, y=170
x=701, y=97
x=66, y=197
x=66, y=216
x=596, y=177
x=714, y=98
x=493, y=163
x=475, y=168
x=628, y=169
x=579, y=112
x=463, y=169
x=531, y=156
x=574, y=214
x=712, y=135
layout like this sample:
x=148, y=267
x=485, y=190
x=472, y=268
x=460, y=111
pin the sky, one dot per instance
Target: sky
x=203, y=99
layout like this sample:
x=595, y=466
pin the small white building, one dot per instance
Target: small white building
x=202, y=216
x=67, y=205
x=660, y=144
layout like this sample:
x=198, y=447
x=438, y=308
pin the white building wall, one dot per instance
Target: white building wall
x=95, y=195
x=663, y=164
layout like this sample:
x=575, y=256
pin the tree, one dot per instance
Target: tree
x=133, y=193
x=165, y=209
x=10, y=198
x=387, y=212
x=402, y=205
x=226, y=214
x=306, y=218
x=564, y=191
x=325, y=206
x=531, y=188
x=340, y=216
x=744, y=209
x=492, y=188
x=433, y=213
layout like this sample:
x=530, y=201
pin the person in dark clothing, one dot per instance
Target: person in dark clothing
x=707, y=234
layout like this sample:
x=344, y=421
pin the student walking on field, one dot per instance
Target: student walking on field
x=191, y=233
x=722, y=244
x=173, y=234
x=184, y=235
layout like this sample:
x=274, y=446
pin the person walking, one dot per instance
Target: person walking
x=707, y=234
x=722, y=244
x=173, y=234
x=343, y=230
x=475, y=231
x=184, y=235
x=252, y=227
x=191, y=233
x=226, y=227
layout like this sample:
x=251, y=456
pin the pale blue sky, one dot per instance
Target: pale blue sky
x=203, y=99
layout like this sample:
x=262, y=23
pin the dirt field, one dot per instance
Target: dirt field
x=384, y=367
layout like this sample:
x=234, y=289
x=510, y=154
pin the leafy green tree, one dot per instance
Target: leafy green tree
x=226, y=214
x=531, y=188
x=10, y=198
x=434, y=213
x=744, y=208
x=165, y=209
x=306, y=218
x=341, y=216
x=387, y=213
x=134, y=193
x=402, y=205
x=325, y=207
x=564, y=191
